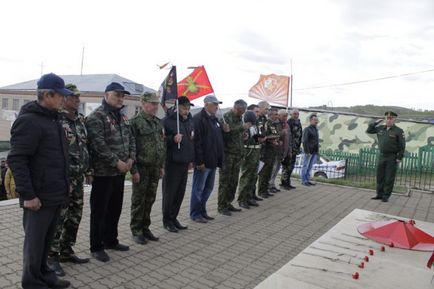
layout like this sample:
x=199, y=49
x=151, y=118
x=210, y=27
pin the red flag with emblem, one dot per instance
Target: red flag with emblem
x=195, y=85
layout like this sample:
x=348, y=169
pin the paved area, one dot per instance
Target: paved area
x=230, y=252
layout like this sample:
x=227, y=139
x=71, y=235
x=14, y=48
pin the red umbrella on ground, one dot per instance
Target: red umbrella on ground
x=398, y=233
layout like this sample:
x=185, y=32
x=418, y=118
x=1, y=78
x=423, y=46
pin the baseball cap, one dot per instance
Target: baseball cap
x=114, y=86
x=150, y=97
x=73, y=88
x=54, y=82
x=211, y=99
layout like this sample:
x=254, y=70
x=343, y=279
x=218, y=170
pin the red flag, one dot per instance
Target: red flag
x=195, y=85
x=273, y=88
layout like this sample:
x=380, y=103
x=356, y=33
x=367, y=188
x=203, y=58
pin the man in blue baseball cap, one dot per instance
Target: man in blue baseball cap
x=38, y=160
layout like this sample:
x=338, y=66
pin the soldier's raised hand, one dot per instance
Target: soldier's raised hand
x=226, y=127
x=177, y=138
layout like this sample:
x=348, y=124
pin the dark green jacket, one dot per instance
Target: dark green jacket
x=76, y=135
x=110, y=140
x=390, y=141
x=150, y=146
x=233, y=140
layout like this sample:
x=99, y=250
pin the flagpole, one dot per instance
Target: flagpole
x=177, y=121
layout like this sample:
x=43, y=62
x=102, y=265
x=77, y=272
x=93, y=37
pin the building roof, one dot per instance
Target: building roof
x=87, y=83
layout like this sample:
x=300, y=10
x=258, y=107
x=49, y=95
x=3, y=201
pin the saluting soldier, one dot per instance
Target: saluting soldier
x=78, y=156
x=148, y=169
x=391, y=143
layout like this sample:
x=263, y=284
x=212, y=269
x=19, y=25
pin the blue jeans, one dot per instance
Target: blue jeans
x=308, y=161
x=203, y=184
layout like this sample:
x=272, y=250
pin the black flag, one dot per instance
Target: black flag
x=168, y=89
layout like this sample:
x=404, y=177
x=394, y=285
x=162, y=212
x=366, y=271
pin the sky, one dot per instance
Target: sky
x=327, y=41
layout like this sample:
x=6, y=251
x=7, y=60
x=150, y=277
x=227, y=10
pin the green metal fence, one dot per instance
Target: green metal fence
x=416, y=171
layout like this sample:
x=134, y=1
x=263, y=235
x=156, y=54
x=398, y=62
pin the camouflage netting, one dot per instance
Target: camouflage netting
x=348, y=132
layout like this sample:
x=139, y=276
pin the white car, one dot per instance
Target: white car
x=324, y=167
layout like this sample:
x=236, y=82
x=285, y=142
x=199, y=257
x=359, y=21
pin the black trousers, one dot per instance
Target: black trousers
x=174, y=184
x=39, y=227
x=106, y=200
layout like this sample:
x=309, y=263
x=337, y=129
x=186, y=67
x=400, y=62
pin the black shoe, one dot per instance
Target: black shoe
x=73, y=259
x=200, y=220
x=310, y=183
x=256, y=198
x=140, y=240
x=269, y=194
x=385, y=199
x=244, y=205
x=377, y=198
x=264, y=196
x=285, y=187
x=306, y=184
x=233, y=209
x=252, y=203
x=169, y=226
x=179, y=226
x=206, y=217
x=225, y=212
x=291, y=187
x=53, y=264
x=60, y=284
x=148, y=235
x=276, y=190
x=101, y=256
x=118, y=247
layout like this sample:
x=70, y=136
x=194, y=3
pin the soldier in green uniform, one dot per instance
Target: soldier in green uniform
x=268, y=153
x=70, y=216
x=112, y=153
x=249, y=165
x=148, y=169
x=234, y=150
x=391, y=143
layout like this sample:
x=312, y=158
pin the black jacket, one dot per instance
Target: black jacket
x=208, y=140
x=310, y=140
x=39, y=156
x=185, y=153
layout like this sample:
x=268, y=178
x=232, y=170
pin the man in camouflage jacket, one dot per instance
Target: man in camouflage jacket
x=147, y=171
x=78, y=157
x=112, y=151
x=234, y=151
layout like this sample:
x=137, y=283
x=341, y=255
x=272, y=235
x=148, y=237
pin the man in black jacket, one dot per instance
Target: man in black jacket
x=311, y=149
x=180, y=156
x=208, y=149
x=38, y=159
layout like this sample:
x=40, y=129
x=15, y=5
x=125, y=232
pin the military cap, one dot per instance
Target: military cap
x=211, y=99
x=150, y=97
x=391, y=113
x=73, y=88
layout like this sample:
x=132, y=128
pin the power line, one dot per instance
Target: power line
x=364, y=81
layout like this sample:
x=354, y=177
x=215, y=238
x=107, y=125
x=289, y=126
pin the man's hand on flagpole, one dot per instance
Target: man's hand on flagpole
x=226, y=127
x=177, y=138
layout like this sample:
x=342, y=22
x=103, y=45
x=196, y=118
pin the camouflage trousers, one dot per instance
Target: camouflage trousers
x=269, y=158
x=142, y=199
x=287, y=167
x=228, y=180
x=249, y=174
x=65, y=235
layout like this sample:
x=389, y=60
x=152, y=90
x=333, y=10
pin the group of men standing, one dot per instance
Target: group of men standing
x=55, y=150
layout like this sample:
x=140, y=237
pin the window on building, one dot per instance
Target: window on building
x=15, y=104
x=5, y=103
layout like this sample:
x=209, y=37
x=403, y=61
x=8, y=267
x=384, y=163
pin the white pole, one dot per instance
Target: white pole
x=177, y=121
x=82, y=61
